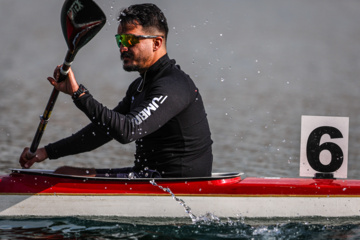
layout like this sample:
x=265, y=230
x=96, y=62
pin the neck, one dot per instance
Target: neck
x=155, y=67
x=158, y=54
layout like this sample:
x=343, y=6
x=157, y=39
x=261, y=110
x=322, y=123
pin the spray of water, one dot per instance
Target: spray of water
x=207, y=218
x=180, y=201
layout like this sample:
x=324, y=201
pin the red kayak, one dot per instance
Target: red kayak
x=44, y=193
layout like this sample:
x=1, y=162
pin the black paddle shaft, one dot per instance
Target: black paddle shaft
x=81, y=20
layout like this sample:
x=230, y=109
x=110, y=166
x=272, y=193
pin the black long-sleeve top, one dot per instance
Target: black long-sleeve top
x=162, y=111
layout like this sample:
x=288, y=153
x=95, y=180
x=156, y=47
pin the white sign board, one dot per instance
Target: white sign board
x=324, y=146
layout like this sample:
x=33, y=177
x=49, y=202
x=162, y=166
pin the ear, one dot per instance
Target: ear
x=158, y=42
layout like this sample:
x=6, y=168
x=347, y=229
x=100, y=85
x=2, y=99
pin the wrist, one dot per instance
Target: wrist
x=43, y=154
x=80, y=92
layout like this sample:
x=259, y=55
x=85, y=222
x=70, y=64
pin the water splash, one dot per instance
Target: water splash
x=208, y=218
x=180, y=201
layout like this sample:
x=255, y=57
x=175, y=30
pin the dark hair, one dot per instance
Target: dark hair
x=147, y=15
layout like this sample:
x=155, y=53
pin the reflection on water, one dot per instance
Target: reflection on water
x=259, y=65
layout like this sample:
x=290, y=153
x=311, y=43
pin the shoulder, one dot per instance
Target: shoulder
x=176, y=84
x=174, y=77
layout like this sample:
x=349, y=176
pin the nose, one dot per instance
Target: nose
x=123, y=49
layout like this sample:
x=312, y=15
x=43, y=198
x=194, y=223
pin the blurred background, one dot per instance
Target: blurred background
x=259, y=64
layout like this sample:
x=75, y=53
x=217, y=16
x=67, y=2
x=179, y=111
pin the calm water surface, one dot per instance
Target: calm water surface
x=260, y=65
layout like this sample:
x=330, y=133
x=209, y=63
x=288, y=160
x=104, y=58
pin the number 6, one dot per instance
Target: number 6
x=313, y=149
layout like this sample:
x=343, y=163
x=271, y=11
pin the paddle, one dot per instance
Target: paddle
x=81, y=20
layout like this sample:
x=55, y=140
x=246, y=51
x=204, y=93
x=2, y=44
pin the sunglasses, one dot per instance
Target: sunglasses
x=128, y=40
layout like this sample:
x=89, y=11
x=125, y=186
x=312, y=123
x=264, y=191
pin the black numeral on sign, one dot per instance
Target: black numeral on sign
x=313, y=149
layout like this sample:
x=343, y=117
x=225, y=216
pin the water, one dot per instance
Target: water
x=101, y=228
x=259, y=65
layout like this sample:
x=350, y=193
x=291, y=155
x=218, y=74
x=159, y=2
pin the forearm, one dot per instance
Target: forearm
x=87, y=139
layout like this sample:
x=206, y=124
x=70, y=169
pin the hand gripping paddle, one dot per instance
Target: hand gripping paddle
x=81, y=20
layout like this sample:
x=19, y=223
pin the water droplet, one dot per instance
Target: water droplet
x=131, y=176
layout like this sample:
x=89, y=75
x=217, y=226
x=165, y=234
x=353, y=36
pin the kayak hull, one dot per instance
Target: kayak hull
x=42, y=193
x=164, y=206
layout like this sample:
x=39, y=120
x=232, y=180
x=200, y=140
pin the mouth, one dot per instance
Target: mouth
x=126, y=56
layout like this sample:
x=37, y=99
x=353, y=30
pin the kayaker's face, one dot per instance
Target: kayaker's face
x=137, y=54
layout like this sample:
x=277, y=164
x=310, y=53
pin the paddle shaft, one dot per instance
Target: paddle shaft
x=81, y=20
x=44, y=118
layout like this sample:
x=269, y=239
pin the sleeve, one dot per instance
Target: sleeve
x=162, y=102
x=87, y=139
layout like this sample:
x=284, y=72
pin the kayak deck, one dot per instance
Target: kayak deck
x=47, y=172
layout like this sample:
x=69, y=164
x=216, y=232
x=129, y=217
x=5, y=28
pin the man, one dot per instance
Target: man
x=162, y=111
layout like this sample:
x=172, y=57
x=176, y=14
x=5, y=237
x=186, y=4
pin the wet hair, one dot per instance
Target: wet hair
x=147, y=15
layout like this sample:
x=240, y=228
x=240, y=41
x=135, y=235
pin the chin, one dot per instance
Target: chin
x=130, y=68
